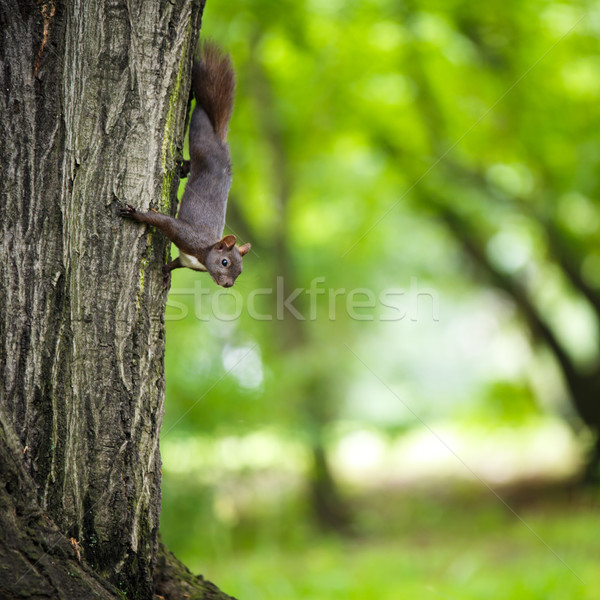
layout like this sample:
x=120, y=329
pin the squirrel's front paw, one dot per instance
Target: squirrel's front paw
x=127, y=211
x=184, y=169
x=166, y=276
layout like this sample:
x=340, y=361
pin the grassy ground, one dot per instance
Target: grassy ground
x=419, y=545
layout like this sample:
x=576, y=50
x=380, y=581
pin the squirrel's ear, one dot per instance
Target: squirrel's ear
x=227, y=243
x=244, y=249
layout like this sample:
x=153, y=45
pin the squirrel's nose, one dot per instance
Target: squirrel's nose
x=228, y=284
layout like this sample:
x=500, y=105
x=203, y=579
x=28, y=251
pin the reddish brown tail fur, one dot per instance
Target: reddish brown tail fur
x=213, y=80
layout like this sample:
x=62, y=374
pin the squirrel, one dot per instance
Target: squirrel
x=197, y=231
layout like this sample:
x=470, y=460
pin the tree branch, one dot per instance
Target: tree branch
x=468, y=240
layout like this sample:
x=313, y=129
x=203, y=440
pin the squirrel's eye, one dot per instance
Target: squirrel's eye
x=224, y=262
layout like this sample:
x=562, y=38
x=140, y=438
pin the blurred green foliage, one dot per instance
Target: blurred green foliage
x=440, y=159
x=479, y=554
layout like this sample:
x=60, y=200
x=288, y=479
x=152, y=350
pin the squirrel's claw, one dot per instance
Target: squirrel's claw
x=166, y=276
x=127, y=211
x=184, y=169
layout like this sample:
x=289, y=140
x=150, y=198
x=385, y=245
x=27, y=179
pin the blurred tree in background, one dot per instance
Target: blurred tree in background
x=443, y=154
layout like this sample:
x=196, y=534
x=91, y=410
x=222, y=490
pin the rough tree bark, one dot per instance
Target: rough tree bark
x=93, y=99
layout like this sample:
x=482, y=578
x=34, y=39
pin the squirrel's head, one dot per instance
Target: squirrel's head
x=224, y=261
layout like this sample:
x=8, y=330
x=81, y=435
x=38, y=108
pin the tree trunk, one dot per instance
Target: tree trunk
x=93, y=98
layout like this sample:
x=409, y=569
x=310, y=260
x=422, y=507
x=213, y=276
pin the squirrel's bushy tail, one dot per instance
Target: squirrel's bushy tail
x=213, y=81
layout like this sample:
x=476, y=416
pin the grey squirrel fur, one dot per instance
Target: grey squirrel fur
x=198, y=229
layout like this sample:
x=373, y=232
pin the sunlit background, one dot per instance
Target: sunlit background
x=420, y=181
